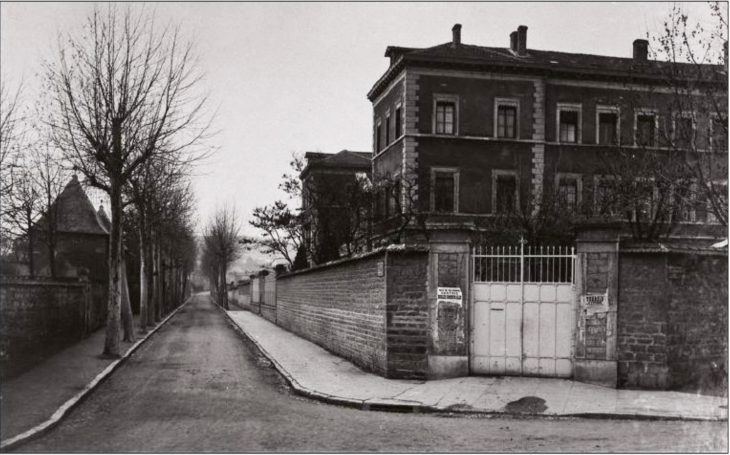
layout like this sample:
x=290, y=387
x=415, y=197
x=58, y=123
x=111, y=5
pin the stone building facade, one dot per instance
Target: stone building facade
x=488, y=131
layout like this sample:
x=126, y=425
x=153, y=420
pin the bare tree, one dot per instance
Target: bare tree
x=22, y=209
x=11, y=134
x=331, y=217
x=50, y=178
x=123, y=90
x=151, y=192
x=221, y=247
x=697, y=115
x=397, y=216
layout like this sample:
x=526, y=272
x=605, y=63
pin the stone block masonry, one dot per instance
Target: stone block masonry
x=672, y=320
x=370, y=310
x=41, y=316
x=406, y=315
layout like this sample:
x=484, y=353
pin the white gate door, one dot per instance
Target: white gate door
x=523, y=311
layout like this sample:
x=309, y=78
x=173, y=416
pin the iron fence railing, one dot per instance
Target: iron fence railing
x=524, y=264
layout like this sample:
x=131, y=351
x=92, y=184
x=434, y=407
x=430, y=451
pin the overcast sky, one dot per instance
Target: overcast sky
x=293, y=77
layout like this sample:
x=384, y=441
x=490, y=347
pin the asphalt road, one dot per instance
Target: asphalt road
x=198, y=386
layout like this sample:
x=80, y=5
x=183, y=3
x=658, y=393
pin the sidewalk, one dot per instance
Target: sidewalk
x=314, y=372
x=38, y=399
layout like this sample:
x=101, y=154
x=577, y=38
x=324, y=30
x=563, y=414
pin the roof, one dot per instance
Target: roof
x=75, y=213
x=345, y=159
x=535, y=61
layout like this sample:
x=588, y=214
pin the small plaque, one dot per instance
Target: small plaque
x=451, y=295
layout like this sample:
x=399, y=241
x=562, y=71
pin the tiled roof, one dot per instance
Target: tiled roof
x=535, y=60
x=562, y=60
x=345, y=159
x=75, y=213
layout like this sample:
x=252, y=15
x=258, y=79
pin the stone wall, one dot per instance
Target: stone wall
x=41, y=316
x=268, y=296
x=672, y=322
x=371, y=310
x=407, y=315
x=243, y=294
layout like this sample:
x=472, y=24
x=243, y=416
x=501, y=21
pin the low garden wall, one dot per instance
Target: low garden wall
x=41, y=316
x=371, y=310
x=672, y=320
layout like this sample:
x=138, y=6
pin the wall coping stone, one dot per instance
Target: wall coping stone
x=393, y=249
x=41, y=281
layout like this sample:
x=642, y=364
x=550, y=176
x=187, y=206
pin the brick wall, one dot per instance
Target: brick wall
x=696, y=318
x=40, y=317
x=672, y=319
x=407, y=315
x=370, y=310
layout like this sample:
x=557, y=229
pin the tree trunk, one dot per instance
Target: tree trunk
x=113, y=324
x=224, y=289
x=51, y=235
x=127, y=320
x=31, y=262
x=142, y=274
x=159, y=282
x=151, y=278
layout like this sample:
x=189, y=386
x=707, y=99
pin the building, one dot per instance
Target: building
x=335, y=203
x=82, y=236
x=477, y=134
x=525, y=148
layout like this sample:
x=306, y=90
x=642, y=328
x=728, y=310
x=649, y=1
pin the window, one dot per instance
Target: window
x=378, y=137
x=684, y=131
x=387, y=129
x=444, y=190
x=607, y=130
x=685, y=201
x=398, y=122
x=505, y=192
x=445, y=114
x=605, y=195
x=506, y=118
x=648, y=199
x=718, y=134
x=570, y=189
x=392, y=199
x=569, y=120
x=646, y=129
x=719, y=191
x=444, y=118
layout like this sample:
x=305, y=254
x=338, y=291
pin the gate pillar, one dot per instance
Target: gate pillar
x=448, y=327
x=596, y=284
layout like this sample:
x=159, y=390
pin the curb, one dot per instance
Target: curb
x=426, y=409
x=65, y=408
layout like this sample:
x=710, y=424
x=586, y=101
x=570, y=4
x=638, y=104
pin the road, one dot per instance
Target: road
x=198, y=386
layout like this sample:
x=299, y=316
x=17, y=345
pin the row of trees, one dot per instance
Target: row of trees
x=221, y=245
x=123, y=106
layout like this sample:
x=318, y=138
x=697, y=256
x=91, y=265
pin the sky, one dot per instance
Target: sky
x=293, y=77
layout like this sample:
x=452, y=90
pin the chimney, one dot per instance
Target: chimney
x=513, y=41
x=522, y=40
x=641, y=50
x=456, y=32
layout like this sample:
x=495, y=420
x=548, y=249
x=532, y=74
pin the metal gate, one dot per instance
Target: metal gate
x=522, y=311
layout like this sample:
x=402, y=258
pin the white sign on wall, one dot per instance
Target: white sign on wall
x=449, y=295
